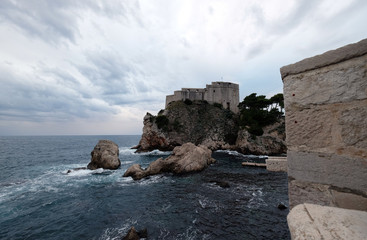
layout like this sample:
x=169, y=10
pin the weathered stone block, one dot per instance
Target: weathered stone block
x=323, y=194
x=342, y=82
x=309, y=221
x=306, y=192
x=348, y=200
x=332, y=169
x=310, y=128
x=354, y=127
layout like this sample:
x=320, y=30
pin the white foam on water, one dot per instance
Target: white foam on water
x=155, y=153
x=151, y=180
x=191, y=233
x=235, y=153
x=126, y=162
x=126, y=151
x=256, y=199
x=117, y=233
x=206, y=203
x=82, y=172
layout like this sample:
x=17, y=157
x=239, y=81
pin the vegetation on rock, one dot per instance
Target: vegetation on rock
x=257, y=112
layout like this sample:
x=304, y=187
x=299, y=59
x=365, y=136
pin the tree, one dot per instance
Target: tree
x=257, y=112
x=278, y=99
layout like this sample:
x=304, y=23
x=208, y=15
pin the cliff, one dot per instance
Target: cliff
x=202, y=123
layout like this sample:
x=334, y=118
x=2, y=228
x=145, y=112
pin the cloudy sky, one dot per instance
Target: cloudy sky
x=96, y=67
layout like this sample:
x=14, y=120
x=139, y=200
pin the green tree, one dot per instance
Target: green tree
x=257, y=112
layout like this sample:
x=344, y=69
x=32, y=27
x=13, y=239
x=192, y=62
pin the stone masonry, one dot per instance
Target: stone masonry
x=224, y=93
x=326, y=127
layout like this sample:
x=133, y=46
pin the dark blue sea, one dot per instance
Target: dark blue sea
x=38, y=200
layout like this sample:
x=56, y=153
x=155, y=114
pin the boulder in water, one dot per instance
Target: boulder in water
x=281, y=206
x=221, y=184
x=135, y=235
x=184, y=159
x=105, y=155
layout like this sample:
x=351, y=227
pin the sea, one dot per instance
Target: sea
x=40, y=200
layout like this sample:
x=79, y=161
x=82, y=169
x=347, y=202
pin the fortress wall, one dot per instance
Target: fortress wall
x=193, y=94
x=326, y=127
x=177, y=96
x=224, y=93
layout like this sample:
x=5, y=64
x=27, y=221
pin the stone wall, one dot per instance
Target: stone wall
x=326, y=127
x=225, y=93
x=276, y=164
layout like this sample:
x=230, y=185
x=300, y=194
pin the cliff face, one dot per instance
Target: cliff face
x=209, y=125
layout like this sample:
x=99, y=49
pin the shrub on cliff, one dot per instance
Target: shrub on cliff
x=161, y=121
x=188, y=102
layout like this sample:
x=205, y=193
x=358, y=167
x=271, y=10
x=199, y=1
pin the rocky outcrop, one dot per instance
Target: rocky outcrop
x=135, y=235
x=184, y=159
x=272, y=142
x=105, y=155
x=210, y=125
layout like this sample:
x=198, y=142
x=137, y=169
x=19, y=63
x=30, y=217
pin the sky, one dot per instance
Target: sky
x=95, y=67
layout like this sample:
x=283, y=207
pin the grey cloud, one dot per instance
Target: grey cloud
x=40, y=100
x=57, y=20
x=118, y=78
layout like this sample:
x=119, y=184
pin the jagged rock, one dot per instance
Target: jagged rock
x=136, y=172
x=184, y=159
x=204, y=124
x=105, y=155
x=132, y=234
x=221, y=184
x=281, y=206
x=272, y=142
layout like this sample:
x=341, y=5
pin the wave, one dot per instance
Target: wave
x=129, y=151
x=155, y=153
x=235, y=153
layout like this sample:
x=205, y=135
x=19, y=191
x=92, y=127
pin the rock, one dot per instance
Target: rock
x=105, y=155
x=204, y=124
x=184, y=159
x=281, y=206
x=136, y=172
x=152, y=138
x=143, y=233
x=221, y=184
x=309, y=221
x=272, y=142
x=131, y=235
x=136, y=235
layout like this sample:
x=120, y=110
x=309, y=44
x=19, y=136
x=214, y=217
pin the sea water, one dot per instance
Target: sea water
x=39, y=200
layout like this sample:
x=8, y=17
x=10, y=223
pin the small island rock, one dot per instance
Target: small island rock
x=105, y=155
x=136, y=235
x=184, y=159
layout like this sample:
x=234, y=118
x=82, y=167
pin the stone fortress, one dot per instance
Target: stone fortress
x=224, y=93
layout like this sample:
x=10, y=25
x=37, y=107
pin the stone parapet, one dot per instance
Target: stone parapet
x=309, y=221
x=329, y=58
x=326, y=117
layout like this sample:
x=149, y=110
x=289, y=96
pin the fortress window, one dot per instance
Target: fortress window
x=213, y=90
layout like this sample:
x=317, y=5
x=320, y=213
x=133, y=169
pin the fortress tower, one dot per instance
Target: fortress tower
x=224, y=93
